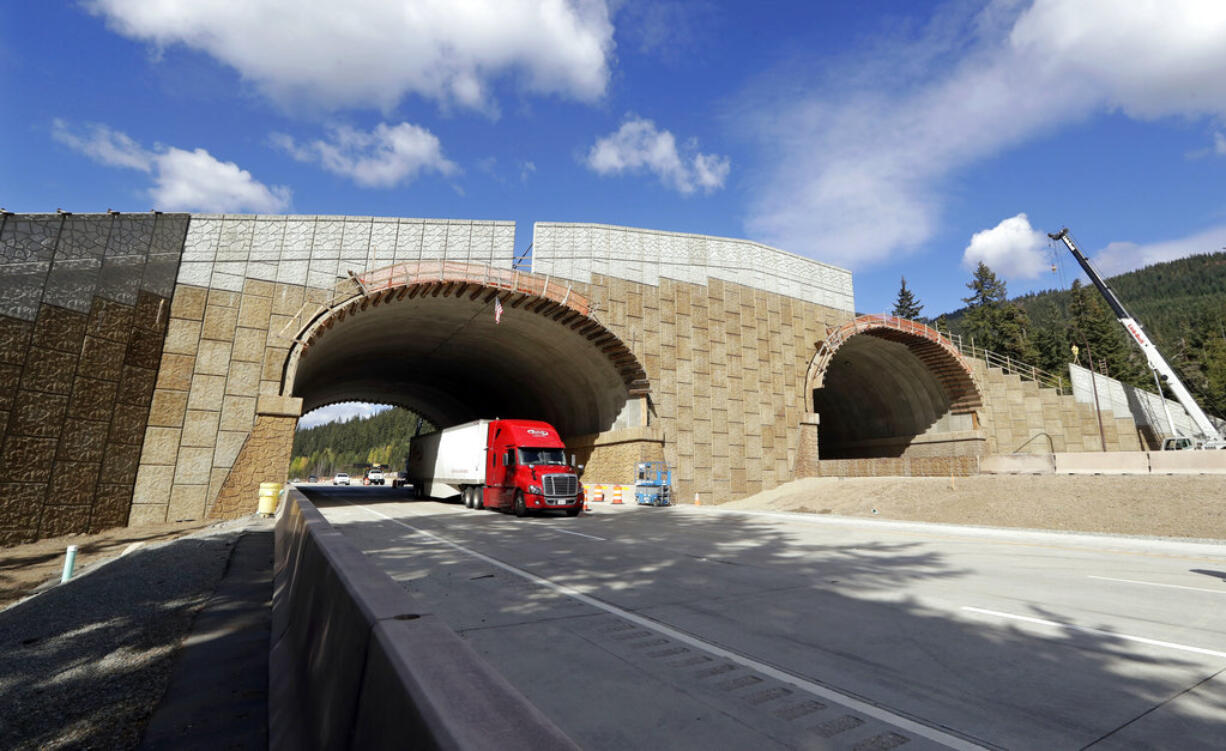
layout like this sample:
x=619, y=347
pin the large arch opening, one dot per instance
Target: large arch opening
x=427, y=337
x=888, y=387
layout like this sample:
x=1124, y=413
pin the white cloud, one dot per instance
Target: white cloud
x=638, y=147
x=1119, y=257
x=104, y=145
x=374, y=52
x=182, y=180
x=857, y=163
x=381, y=158
x=1013, y=249
x=343, y=412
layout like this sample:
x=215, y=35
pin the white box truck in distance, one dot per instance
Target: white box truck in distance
x=512, y=465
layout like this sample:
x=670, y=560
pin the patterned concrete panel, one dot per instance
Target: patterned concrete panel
x=266, y=238
x=120, y=278
x=21, y=288
x=646, y=256
x=29, y=238
x=236, y=235
x=131, y=235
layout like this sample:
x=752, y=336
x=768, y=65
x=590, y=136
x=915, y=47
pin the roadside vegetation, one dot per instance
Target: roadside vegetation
x=352, y=446
x=1181, y=304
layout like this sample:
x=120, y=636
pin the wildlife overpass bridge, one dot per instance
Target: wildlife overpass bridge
x=153, y=367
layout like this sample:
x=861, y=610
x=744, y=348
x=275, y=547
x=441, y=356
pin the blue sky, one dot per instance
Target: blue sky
x=891, y=138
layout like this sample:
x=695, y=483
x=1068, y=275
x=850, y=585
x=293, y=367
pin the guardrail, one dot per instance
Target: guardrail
x=353, y=666
x=1010, y=365
x=513, y=280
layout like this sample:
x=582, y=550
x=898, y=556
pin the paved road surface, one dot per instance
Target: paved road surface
x=698, y=628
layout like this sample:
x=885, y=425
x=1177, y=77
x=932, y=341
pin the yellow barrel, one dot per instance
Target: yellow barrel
x=269, y=493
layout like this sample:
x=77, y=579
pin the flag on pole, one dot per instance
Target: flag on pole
x=497, y=310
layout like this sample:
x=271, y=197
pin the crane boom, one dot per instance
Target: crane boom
x=1152, y=356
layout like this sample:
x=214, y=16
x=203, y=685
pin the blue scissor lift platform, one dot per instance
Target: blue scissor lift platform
x=653, y=484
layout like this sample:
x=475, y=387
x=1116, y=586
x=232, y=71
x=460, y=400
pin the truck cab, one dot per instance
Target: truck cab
x=526, y=469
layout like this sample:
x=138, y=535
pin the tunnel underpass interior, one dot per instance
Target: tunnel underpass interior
x=878, y=397
x=440, y=353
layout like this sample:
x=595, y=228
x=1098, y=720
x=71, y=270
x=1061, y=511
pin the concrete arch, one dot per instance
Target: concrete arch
x=885, y=386
x=423, y=336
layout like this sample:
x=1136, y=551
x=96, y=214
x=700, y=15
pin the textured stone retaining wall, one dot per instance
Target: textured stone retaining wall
x=84, y=305
x=1020, y=417
x=727, y=367
x=903, y=466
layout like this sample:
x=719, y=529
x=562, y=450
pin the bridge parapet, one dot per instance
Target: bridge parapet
x=577, y=251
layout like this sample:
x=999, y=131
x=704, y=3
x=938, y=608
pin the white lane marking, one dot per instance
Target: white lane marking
x=1107, y=543
x=580, y=534
x=858, y=705
x=1157, y=584
x=1097, y=631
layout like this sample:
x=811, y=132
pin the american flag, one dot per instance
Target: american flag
x=497, y=310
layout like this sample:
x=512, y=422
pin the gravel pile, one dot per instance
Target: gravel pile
x=84, y=664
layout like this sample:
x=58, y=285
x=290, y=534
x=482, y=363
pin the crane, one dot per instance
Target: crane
x=1156, y=362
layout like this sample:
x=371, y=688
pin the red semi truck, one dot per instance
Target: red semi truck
x=511, y=465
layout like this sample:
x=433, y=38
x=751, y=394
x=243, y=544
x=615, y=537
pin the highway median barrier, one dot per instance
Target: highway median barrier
x=354, y=666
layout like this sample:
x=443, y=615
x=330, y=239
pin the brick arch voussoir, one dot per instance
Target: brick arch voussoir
x=535, y=293
x=938, y=355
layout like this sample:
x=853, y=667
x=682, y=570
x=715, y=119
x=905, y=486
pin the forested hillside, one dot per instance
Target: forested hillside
x=1181, y=304
x=354, y=445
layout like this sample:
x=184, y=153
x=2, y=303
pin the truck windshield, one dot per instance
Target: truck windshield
x=541, y=456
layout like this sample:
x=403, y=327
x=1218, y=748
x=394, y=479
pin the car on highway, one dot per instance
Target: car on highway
x=373, y=477
x=313, y=478
x=340, y=478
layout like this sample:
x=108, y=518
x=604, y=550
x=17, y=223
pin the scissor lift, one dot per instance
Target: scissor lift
x=653, y=485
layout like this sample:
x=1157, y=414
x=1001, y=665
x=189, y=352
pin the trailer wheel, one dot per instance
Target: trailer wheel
x=468, y=497
x=479, y=497
x=521, y=509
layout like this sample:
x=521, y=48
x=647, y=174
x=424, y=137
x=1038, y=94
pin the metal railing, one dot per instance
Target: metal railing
x=1009, y=365
x=836, y=338
x=513, y=280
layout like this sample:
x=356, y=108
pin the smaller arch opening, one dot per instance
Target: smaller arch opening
x=885, y=387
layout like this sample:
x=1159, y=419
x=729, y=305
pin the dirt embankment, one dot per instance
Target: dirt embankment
x=1168, y=506
x=24, y=568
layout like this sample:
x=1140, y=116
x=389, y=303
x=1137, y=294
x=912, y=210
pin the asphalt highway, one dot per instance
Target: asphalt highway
x=698, y=628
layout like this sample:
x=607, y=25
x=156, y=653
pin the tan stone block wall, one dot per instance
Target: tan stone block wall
x=223, y=349
x=264, y=457
x=75, y=396
x=727, y=368
x=934, y=466
x=612, y=457
x=1021, y=417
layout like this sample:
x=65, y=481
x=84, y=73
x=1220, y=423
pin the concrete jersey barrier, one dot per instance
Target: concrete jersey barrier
x=353, y=666
x=1108, y=463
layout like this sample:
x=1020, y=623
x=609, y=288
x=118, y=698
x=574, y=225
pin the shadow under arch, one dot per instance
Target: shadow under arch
x=883, y=386
x=425, y=336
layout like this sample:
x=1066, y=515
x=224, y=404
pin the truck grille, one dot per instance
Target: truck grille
x=561, y=485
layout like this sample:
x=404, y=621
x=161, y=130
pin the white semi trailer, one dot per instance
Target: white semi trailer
x=449, y=461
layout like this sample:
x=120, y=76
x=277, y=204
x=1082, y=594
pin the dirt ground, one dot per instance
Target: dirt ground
x=1192, y=506
x=25, y=568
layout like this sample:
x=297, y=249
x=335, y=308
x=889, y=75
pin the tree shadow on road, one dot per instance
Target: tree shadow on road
x=837, y=613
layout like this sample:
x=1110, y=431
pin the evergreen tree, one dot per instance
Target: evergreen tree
x=1094, y=327
x=1215, y=375
x=907, y=306
x=1012, y=328
x=993, y=321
